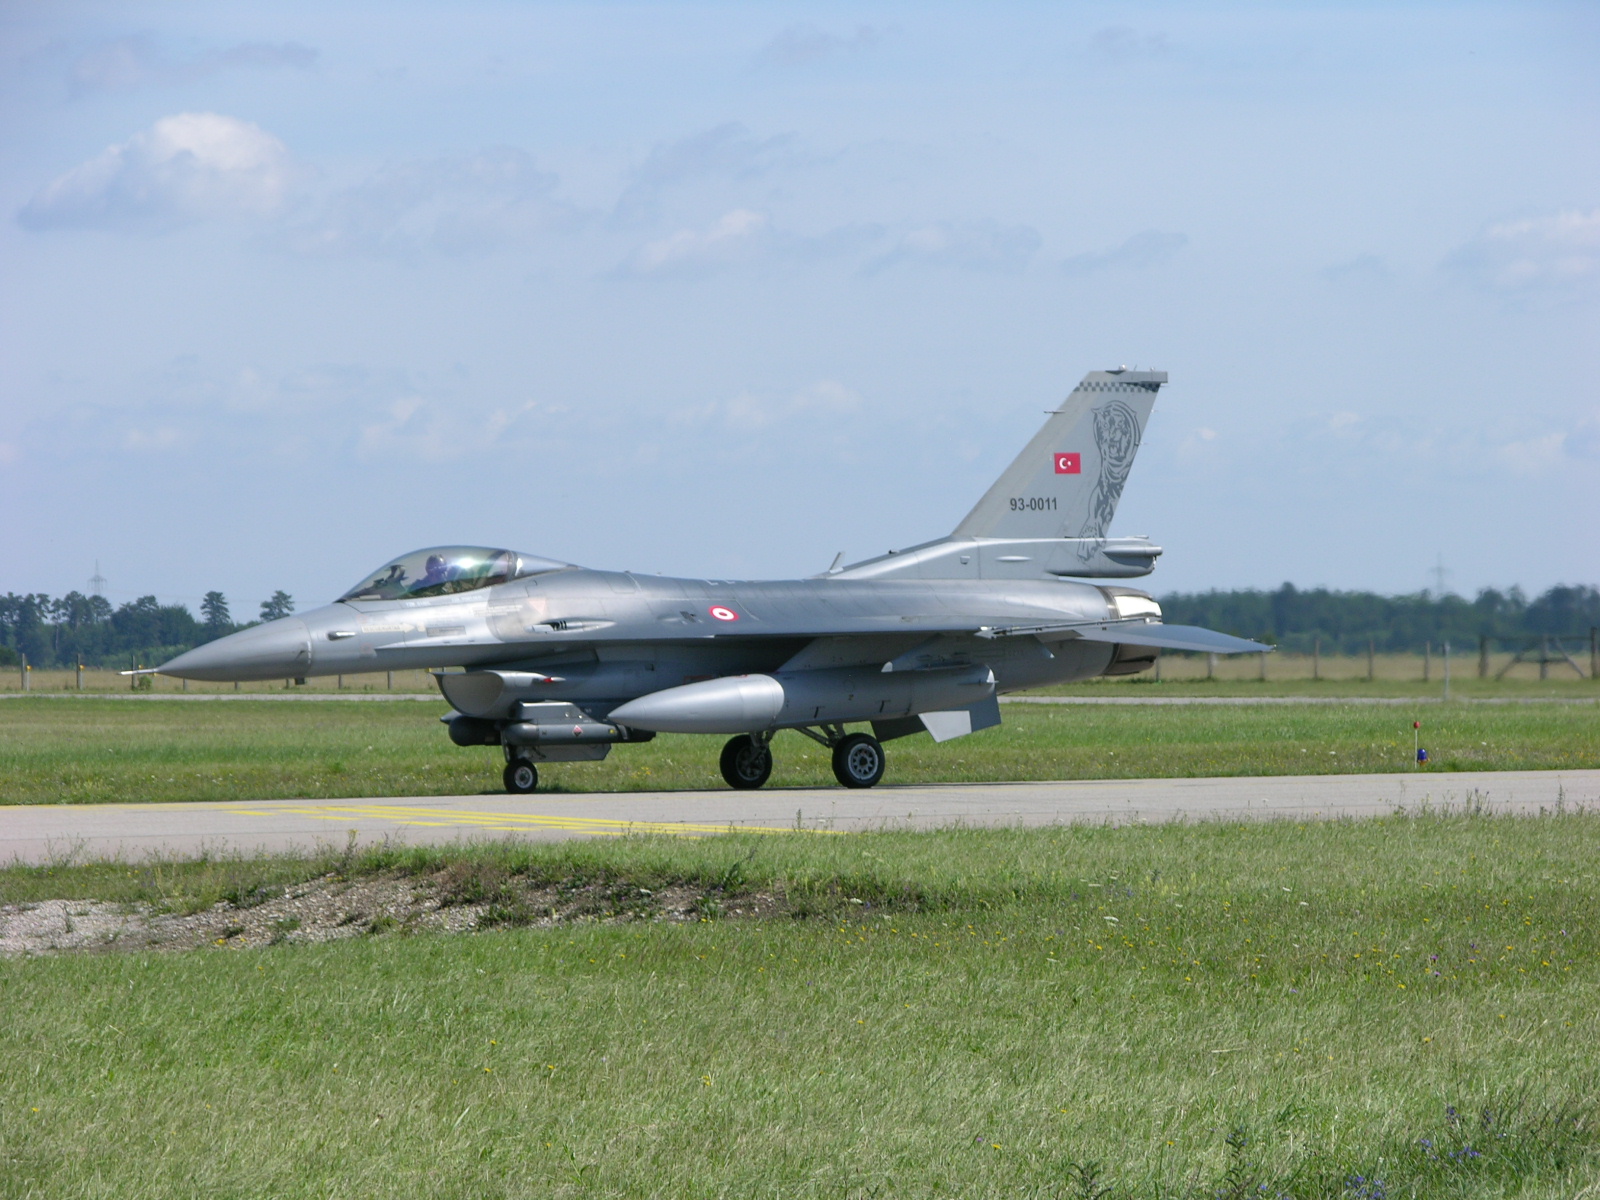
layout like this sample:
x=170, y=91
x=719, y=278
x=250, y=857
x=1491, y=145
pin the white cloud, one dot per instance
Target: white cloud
x=736, y=236
x=1556, y=253
x=727, y=151
x=1535, y=455
x=803, y=44
x=190, y=167
x=137, y=61
x=328, y=414
x=742, y=238
x=467, y=204
x=1198, y=444
x=1147, y=249
x=147, y=441
x=185, y=168
x=966, y=245
x=750, y=410
x=428, y=431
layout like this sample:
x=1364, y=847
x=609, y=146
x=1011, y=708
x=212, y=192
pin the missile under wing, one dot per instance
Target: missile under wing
x=554, y=662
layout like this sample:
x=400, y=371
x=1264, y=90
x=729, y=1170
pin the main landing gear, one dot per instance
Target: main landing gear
x=858, y=759
x=521, y=776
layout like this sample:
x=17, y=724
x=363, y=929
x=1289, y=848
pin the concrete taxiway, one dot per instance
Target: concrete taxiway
x=42, y=833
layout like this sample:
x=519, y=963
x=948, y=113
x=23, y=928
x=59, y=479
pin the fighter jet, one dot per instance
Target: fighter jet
x=554, y=662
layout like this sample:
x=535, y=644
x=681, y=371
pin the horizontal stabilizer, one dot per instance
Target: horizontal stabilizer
x=1170, y=637
x=1135, y=633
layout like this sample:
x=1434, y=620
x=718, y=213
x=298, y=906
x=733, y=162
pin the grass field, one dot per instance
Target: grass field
x=1396, y=1008
x=101, y=751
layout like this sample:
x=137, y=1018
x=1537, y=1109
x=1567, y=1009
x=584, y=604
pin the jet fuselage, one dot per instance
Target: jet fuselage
x=616, y=635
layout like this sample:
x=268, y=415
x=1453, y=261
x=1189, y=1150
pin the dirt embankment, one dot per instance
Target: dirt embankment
x=459, y=899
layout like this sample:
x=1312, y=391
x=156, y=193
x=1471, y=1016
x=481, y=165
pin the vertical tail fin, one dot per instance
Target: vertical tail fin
x=1069, y=479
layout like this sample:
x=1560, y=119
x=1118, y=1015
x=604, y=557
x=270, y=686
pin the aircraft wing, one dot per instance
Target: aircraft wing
x=1142, y=633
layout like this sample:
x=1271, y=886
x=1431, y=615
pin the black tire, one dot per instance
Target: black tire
x=521, y=777
x=858, y=761
x=745, y=764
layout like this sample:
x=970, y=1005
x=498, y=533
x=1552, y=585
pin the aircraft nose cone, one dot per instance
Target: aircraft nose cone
x=277, y=650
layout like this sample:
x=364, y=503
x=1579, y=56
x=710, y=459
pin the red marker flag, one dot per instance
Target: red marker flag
x=1069, y=464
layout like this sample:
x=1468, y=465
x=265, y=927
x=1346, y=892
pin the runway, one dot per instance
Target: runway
x=134, y=832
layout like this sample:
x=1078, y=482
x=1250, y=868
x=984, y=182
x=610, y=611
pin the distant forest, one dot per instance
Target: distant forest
x=57, y=633
x=1294, y=620
x=60, y=633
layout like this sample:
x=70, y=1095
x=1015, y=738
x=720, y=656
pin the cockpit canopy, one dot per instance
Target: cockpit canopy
x=442, y=570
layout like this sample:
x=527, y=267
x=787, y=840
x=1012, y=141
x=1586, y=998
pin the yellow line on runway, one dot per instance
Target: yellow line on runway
x=508, y=822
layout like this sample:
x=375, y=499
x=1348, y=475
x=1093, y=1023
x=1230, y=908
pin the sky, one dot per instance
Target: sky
x=721, y=290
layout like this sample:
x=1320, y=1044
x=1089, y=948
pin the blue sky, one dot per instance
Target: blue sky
x=725, y=289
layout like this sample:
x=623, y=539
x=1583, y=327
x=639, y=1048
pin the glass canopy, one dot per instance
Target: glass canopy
x=441, y=570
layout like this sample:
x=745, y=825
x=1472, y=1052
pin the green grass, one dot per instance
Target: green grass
x=106, y=751
x=1197, y=1009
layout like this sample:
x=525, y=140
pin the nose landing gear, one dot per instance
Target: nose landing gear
x=747, y=761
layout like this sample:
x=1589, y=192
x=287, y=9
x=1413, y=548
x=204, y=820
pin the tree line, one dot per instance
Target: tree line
x=77, y=628
x=1295, y=619
x=59, y=633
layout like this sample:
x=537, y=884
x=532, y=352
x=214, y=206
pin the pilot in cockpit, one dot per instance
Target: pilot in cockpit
x=434, y=571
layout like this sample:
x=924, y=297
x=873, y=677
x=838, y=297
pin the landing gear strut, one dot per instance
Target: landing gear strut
x=747, y=761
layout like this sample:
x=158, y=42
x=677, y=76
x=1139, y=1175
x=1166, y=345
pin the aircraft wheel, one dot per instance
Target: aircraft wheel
x=858, y=761
x=521, y=776
x=745, y=763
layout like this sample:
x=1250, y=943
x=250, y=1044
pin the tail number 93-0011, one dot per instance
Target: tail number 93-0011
x=1033, y=503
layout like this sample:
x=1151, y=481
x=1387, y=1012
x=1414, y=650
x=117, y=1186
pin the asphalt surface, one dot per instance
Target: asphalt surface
x=134, y=832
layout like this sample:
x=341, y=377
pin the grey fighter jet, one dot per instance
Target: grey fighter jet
x=558, y=663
